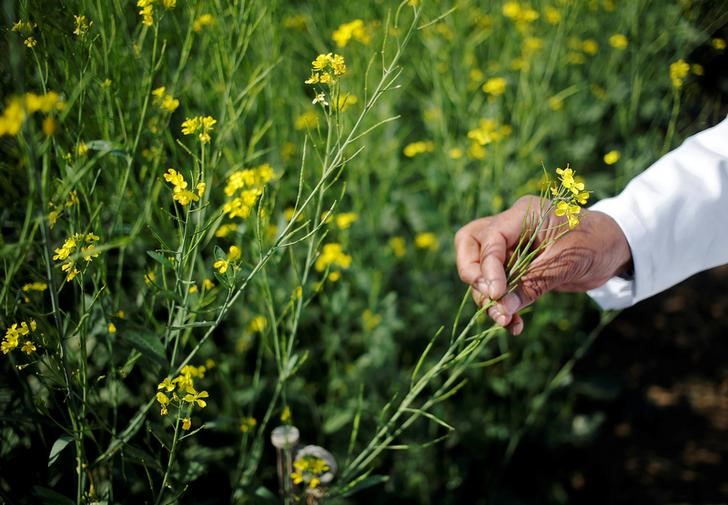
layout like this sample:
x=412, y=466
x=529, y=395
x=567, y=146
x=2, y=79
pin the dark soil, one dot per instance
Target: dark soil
x=664, y=439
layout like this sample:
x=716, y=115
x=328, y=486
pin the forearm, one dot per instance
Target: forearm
x=674, y=217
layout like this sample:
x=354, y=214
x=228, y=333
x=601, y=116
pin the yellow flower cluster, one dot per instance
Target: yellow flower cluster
x=619, y=41
x=488, y=131
x=181, y=392
x=257, y=324
x=243, y=189
x=423, y=146
x=164, y=100
x=247, y=424
x=222, y=265
x=308, y=470
x=201, y=124
x=569, y=196
x=81, y=26
x=678, y=72
x=146, y=9
x=352, y=30
x=18, y=109
x=495, y=86
x=180, y=193
x=521, y=15
x=203, y=21
x=427, y=240
x=71, y=248
x=398, y=246
x=332, y=255
x=13, y=334
x=345, y=219
x=326, y=68
x=611, y=157
x=34, y=286
x=25, y=29
x=306, y=121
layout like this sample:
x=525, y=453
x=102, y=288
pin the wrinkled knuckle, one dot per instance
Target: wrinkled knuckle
x=534, y=288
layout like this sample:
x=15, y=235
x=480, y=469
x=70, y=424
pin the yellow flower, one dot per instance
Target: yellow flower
x=49, y=126
x=552, y=15
x=196, y=398
x=184, y=197
x=207, y=284
x=415, y=148
x=306, y=121
x=111, y=328
x=555, y=103
x=34, y=286
x=678, y=72
x=162, y=398
x=30, y=42
x=343, y=102
x=590, y=46
x=149, y=278
x=571, y=212
x=332, y=255
x=495, y=86
x=286, y=414
x=426, y=240
x=82, y=25
x=28, y=347
x=166, y=384
x=247, y=424
x=345, y=219
x=455, y=153
x=221, y=265
x=146, y=11
x=164, y=100
x=234, y=253
x=82, y=149
x=370, y=320
x=612, y=157
x=12, y=118
x=398, y=246
x=324, y=66
x=618, y=41
x=190, y=125
x=353, y=30
x=203, y=21
x=186, y=423
x=718, y=44
x=201, y=124
x=257, y=324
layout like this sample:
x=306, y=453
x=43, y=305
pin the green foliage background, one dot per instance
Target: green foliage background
x=354, y=341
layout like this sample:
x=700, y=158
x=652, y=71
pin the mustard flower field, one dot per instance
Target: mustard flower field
x=227, y=262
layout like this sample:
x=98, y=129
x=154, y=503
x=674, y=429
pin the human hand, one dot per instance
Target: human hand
x=582, y=259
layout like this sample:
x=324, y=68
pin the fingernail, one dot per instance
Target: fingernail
x=501, y=320
x=482, y=285
x=511, y=302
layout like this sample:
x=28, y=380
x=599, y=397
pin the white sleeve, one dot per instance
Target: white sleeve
x=675, y=218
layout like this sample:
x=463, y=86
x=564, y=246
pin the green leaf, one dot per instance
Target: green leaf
x=105, y=146
x=265, y=496
x=58, y=446
x=161, y=259
x=361, y=484
x=50, y=497
x=149, y=345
